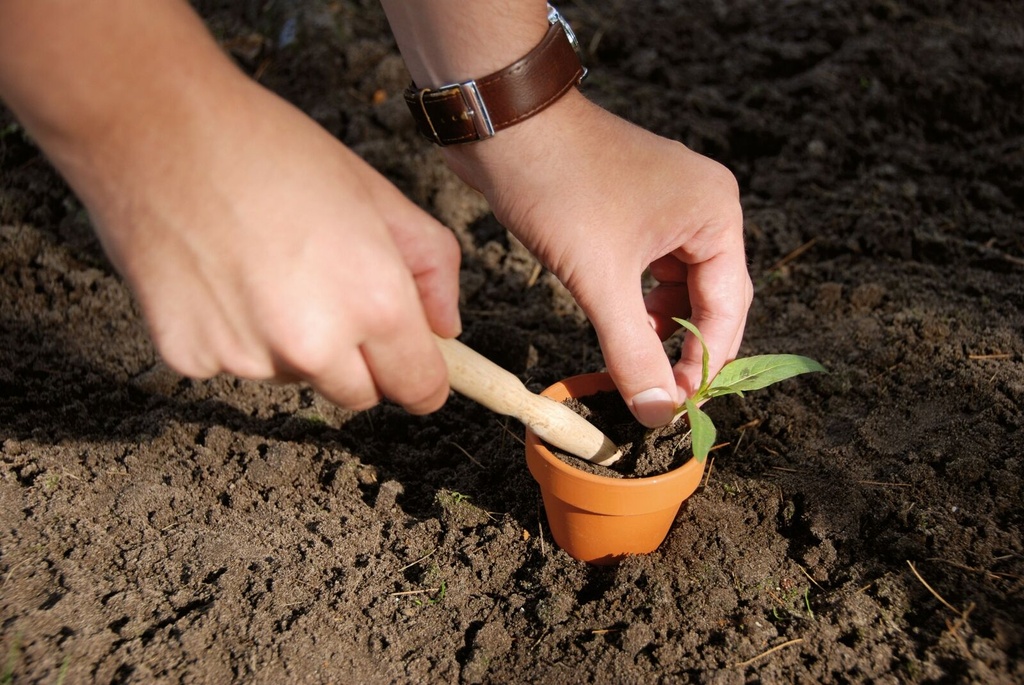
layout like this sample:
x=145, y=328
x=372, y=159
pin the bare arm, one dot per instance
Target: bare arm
x=255, y=242
x=598, y=201
x=446, y=41
x=88, y=80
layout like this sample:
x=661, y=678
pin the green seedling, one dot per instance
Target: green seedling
x=436, y=599
x=735, y=378
x=13, y=653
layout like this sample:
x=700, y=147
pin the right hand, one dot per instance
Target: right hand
x=260, y=246
x=599, y=201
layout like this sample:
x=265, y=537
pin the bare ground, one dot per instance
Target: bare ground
x=863, y=526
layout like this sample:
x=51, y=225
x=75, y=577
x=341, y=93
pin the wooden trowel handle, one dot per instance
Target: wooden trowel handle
x=478, y=378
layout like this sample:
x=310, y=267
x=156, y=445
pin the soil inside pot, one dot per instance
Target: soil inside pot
x=645, y=452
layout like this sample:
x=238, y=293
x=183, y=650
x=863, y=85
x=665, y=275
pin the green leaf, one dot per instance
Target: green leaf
x=702, y=431
x=754, y=373
x=705, y=358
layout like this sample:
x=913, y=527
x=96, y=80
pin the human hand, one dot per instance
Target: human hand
x=599, y=200
x=260, y=246
x=255, y=242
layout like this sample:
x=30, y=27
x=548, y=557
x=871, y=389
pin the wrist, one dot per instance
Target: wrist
x=489, y=164
x=476, y=109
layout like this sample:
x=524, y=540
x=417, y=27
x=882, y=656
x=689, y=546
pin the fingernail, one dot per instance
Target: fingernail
x=653, y=407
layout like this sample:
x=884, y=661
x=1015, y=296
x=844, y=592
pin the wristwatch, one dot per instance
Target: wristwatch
x=477, y=109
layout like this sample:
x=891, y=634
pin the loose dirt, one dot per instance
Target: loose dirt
x=644, y=452
x=863, y=526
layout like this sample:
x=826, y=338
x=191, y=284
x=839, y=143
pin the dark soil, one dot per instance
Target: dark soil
x=155, y=529
x=644, y=452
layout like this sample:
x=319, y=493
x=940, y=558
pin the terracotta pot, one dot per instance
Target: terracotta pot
x=597, y=519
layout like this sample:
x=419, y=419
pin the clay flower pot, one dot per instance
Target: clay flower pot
x=597, y=519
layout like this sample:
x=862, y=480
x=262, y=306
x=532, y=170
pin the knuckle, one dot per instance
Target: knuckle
x=179, y=351
x=307, y=339
x=308, y=354
x=246, y=364
x=450, y=254
x=187, y=362
x=385, y=314
x=351, y=388
x=360, y=402
x=350, y=397
x=724, y=180
x=427, y=394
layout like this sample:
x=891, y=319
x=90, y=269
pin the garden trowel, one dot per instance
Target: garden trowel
x=478, y=378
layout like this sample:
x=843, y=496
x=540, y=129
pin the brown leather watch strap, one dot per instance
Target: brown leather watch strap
x=474, y=110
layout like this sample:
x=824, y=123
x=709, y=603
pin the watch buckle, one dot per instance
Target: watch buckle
x=476, y=109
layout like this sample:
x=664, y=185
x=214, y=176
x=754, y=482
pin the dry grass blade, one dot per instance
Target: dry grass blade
x=793, y=255
x=954, y=630
x=468, y=455
x=540, y=639
x=707, y=479
x=406, y=593
x=809, y=577
x=776, y=598
x=504, y=427
x=935, y=594
x=992, y=575
x=11, y=570
x=413, y=563
x=743, y=431
x=540, y=533
x=534, y=275
x=748, y=662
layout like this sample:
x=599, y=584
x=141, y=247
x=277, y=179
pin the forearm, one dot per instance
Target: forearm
x=448, y=41
x=92, y=81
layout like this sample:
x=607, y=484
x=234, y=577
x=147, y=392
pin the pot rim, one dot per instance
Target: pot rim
x=594, y=383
